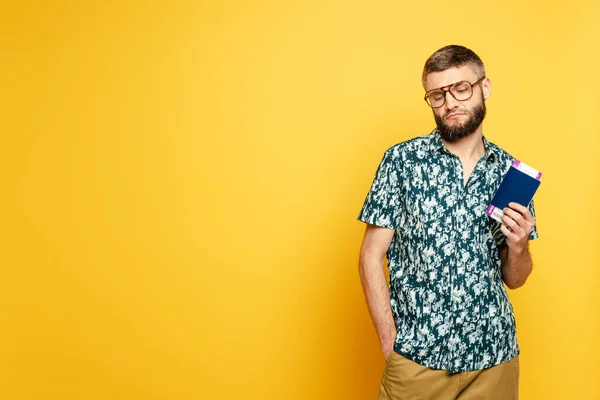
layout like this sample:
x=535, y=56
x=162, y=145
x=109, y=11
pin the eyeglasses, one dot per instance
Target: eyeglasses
x=461, y=91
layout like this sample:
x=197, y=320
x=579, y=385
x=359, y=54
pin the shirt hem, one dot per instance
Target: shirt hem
x=452, y=370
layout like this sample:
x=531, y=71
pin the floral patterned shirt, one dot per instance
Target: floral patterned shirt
x=448, y=299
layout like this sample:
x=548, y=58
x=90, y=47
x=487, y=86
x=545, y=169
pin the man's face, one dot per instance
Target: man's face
x=458, y=119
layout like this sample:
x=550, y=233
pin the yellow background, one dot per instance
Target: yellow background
x=180, y=182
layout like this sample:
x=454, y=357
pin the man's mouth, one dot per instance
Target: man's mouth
x=453, y=115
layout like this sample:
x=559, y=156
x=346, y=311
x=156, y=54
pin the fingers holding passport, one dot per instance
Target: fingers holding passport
x=517, y=222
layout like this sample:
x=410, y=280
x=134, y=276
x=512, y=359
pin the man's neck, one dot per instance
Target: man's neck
x=468, y=148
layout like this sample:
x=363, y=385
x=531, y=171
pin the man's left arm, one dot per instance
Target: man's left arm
x=517, y=224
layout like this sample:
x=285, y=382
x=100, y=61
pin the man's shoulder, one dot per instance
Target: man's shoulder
x=410, y=146
x=503, y=155
x=497, y=149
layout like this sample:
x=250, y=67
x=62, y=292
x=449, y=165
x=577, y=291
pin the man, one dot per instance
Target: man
x=445, y=323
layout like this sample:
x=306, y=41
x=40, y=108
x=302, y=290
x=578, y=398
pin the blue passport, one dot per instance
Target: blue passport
x=519, y=185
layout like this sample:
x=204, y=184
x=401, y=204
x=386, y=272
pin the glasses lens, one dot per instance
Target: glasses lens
x=436, y=98
x=461, y=90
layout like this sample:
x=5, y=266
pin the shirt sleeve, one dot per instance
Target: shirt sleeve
x=501, y=239
x=382, y=205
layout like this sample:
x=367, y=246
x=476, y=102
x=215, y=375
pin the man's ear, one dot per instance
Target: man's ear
x=486, y=87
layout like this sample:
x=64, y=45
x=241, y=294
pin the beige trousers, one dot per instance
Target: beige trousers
x=404, y=379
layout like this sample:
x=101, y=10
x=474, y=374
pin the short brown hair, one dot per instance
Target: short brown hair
x=450, y=57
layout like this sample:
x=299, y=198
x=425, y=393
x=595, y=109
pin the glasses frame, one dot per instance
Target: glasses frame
x=447, y=89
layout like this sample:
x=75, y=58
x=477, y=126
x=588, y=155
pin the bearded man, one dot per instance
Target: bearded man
x=445, y=323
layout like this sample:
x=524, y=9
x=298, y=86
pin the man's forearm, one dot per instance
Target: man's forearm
x=377, y=296
x=516, y=266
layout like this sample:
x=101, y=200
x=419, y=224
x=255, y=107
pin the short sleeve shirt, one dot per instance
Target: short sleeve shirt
x=447, y=295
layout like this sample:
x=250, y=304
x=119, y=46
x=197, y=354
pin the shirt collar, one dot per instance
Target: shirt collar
x=436, y=145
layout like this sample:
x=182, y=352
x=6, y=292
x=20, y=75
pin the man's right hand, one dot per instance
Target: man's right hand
x=372, y=275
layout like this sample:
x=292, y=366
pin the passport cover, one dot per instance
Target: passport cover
x=519, y=185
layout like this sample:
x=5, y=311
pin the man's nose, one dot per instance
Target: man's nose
x=451, y=102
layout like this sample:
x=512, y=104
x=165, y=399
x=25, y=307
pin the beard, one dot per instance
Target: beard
x=455, y=133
